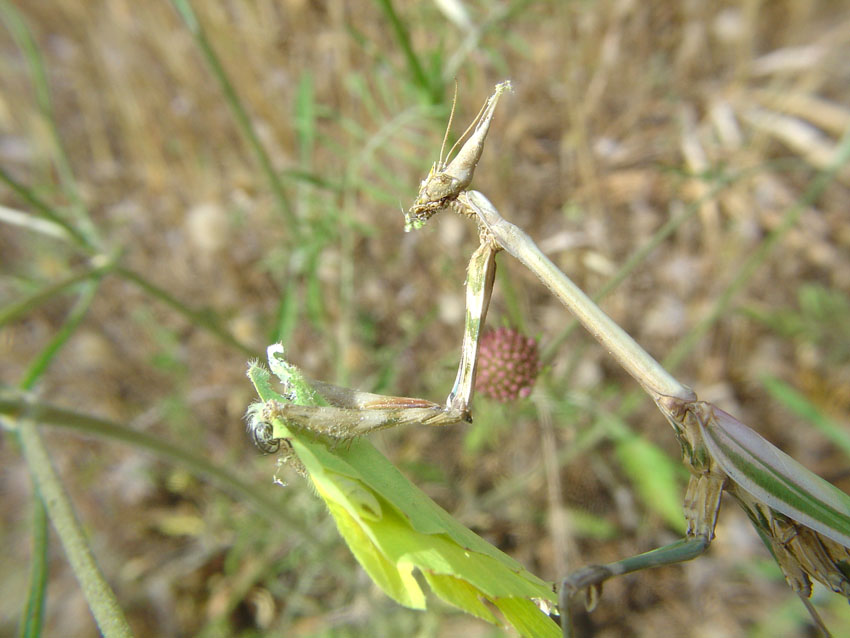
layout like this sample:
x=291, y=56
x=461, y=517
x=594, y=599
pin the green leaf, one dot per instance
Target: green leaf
x=32, y=619
x=459, y=593
x=521, y=614
x=654, y=476
x=397, y=581
x=587, y=525
x=800, y=405
x=393, y=528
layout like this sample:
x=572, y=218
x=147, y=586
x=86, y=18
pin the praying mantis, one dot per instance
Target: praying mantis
x=803, y=520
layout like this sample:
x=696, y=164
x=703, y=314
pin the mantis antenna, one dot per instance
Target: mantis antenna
x=448, y=129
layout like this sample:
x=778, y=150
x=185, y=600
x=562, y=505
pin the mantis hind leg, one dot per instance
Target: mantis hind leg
x=702, y=503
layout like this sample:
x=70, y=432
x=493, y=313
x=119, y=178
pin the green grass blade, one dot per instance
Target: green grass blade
x=305, y=120
x=34, y=609
x=33, y=616
x=46, y=211
x=808, y=411
x=99, y=595
x=72, y=322
x=196, y=317
x=16, y=310
x=15, y=406
x=240, y=114
x=414, y=65
x=23, y=37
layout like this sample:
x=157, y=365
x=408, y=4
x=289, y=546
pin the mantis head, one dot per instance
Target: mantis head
x=446, y=181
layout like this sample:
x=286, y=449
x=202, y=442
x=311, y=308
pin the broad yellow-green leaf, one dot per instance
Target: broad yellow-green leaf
x=521, y=614
x=393, y=528
x=396, y=580
x=459, y=593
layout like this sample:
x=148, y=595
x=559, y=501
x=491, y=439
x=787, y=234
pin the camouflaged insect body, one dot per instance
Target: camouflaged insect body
x=445, y=182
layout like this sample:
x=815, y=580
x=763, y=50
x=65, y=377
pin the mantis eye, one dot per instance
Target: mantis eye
x=262, y=436
x=260, y=430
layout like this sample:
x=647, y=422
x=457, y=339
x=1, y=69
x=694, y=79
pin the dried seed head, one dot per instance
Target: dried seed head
x=508, y=365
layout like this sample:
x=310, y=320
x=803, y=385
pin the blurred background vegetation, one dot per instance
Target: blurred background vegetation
x=230, y=182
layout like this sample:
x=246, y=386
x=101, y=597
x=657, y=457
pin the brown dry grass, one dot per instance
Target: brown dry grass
x=625, y=113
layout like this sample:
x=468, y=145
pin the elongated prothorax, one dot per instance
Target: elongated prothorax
x=628, y=353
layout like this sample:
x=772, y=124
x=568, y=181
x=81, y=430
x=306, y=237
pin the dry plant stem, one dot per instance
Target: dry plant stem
x=100, y=597
x=636, y=361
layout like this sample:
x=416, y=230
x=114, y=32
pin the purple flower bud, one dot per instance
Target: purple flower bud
x=508, y=364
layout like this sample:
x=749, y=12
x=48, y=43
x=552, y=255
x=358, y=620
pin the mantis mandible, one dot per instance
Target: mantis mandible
x=803, y=520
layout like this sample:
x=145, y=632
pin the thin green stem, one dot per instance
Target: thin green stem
x=23, y=37
x=243, y=120
x=17, y=406
x=19, y=308
x=33, y=614
x=72, y=322
x=413, y=63
x=46, y=211
x=33, y=617
x=99, y=596
x=760, y=255
x=197, y=318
